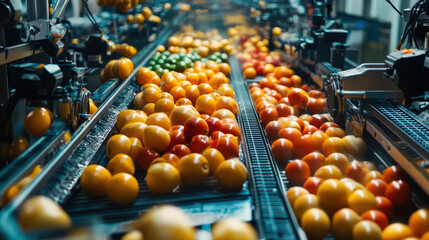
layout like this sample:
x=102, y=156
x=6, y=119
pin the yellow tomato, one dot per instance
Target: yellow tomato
x=162, y=178
x=231, y=174
x=116, y=144
x=123, y=189
x=121, y=163
x=94, y=180
x=37, y=121
x=193, y=168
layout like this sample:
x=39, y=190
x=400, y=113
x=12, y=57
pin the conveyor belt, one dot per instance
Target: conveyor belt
x=273, y=212
x=403, y=123
x=37, y=154
x=9, y=228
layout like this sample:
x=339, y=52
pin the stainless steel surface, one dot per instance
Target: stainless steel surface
x=389, y=94
x=59, y=9
x=18, y=52
x=368, y=76
x=402, y=158
x=37, y=9
x=367, y=81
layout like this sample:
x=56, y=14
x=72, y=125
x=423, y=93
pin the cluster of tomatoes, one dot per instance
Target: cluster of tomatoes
x=120, y=68
x=255, y=57
x=331, y=190
x=183, y=129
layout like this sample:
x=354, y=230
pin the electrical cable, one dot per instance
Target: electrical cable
x=417, y=10
x=91, y=17
x=391, y=4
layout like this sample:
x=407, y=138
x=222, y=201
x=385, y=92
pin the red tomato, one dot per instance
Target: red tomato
x=284, y=110
x=384, y=205
x=315, y=160
x=312, y=184
x=317, y=120
x=297, y=172
x=177, y=127
x=327, y=125
x=393, y=173
x=204, y=116
x=171, y=158
x=398, y=192
x=268, y=115
x=356, y=171
x=145, y=156
x=289, y=133
x=232, y=129
x=199, y=143
x=195, y=126
x=282, y=150
x=376, y=187
x=229, y=120
x=375, y=216
x=176, y=137
x=214, y=124
x=227, y=147
x=180, y=150
x=309, y=129
x=216, y=135
x=272, y=130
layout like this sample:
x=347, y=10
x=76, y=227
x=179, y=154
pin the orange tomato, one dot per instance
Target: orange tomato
x=231, y=174
x=233, y=229
x=328, y=172
x=315, y=223
x=229, y=103
x=123, y=189
x=297, y=171
x=159, y=119
x=361, y=201
x=338, y=159
x=164, y=105
x=343, y=222
x=315, y=160
x=156, y=138
x=37, y=121
x=95, y=180
x=150, y=95
x=367, y=230
x=205, y=104
x=134, y=129
x=205, y=88
x=19, y=145
x=178, y=92
x=419, y=222
x=116, y=144
x=193, y=168
x=183, y=101
x=303, y=203
x=224, y=113
x=162, y=178
x=121, y=163
x=214, y=158
x=396, y=231
x=249, y=73
x=333, y=195
x=332, y=145
x=182, y=113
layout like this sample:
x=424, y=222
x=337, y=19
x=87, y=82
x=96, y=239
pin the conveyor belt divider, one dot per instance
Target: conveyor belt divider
x=273, y=213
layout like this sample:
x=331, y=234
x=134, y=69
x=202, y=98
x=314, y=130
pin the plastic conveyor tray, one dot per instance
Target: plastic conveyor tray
x=375, y=154
x=403, y=123
x=209, y=202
